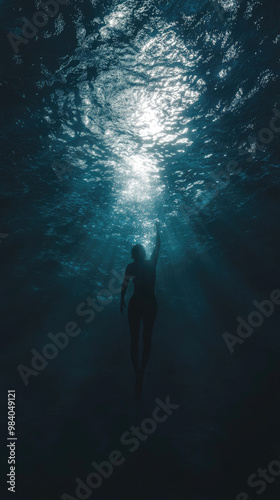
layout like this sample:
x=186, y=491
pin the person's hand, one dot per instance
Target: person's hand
x=122, y=306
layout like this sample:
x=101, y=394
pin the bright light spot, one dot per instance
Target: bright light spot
x=138, y=178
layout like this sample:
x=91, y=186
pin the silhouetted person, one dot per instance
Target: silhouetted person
x=142, y=305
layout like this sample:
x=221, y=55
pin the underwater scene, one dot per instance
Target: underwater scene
x=139, y=243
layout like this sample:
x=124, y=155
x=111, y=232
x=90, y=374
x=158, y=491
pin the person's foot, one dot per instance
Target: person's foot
x=138, y=385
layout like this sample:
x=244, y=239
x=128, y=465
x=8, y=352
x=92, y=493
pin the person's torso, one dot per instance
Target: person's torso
x=144, y=278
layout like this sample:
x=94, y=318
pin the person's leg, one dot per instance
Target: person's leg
x=149, y=318
x=134, y=318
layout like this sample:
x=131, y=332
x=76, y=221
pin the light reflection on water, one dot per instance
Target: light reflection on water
x=132, y=129
x=134, y=110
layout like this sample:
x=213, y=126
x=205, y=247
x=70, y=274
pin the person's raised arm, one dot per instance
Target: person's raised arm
x=155, y=253
x=124, y=287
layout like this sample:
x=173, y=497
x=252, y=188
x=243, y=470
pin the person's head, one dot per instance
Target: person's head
x=138, y=252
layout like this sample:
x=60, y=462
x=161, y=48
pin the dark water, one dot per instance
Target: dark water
x=117, y=114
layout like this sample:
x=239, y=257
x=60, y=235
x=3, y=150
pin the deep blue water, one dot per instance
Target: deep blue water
x=117, y=114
